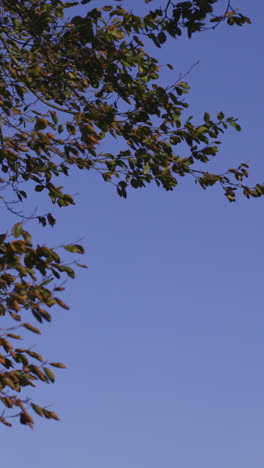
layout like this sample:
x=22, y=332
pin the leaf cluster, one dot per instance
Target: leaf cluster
x=67, y=85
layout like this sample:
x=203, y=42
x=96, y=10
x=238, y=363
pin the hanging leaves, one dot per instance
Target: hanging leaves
x=68, y=84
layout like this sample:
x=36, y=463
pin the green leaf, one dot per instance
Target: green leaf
x=50, y=414
x=235, y=125
x=231, y=21
x=37, y=409
x=35, y=355
x=207, y=117
x=54, y=116
x=68, y=270
x=49, y=374
x=46, y=282
x=17, y=229
x=39, y=188
x=81, y=265
x=220, y=116
x=41, y=124
x=75, y=248
x=27, y=237
x=162, y=37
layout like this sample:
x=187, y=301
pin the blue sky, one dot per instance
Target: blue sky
x=164, y=340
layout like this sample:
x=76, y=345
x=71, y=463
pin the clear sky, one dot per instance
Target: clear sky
x=164, y=340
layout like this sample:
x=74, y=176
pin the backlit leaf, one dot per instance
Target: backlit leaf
x=75, y=248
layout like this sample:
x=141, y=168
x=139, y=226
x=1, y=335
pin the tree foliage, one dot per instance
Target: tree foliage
x=68, y=82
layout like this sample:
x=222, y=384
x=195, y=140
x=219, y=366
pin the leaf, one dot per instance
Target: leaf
x=37, y=409
x=54, y=415
x=50, y=415
x=46, y=413
x=26, y=236
x=42, y=220
x=61, y=303
x=35, y=355
x=71, y=129
x=5, y=422
x=54, y=116
x=51, y=219
x=25, y=418
x=30, y=327
x=39, y=188
x=162, y=37
x=49, y=374
x=235, y=125
x=81, y=265
x=58, y=364
x=231, y=21
x=75, y=248
x=7, y=402
x=220, y=116
x=70, y=272
x=41, y=124
x=2, y=238
x=15, y=337
x=17, y=229
x=19, y=91
x=47, y=282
